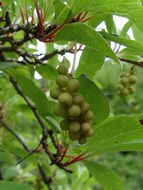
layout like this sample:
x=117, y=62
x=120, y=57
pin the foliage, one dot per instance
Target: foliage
x=36, y=37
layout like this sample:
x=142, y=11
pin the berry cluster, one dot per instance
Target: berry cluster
x=71, y=105
x=126, y=82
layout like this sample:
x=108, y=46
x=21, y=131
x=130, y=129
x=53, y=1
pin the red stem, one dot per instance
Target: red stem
x=78, y=16
x=39, y=18
x=87, y=19
x=45, y=13
x=84, y=15
x=52, y=33
x=76, y=159
x=22, y=15
x=64, y=153
x=32, y=21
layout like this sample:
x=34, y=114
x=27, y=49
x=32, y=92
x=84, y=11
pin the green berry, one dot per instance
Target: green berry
x=62, y=69
x=74, y=110
x=131, y=90
x=90, y=133
x=65, y=98
x=125, y=92
x=85, y=107
x=65, y=124
x=55, y=92
x=132, y=79
x=60, y=110
x=120, y=87
x=124, y=81
x=74, y=126
x=74, y=136
x=73, y=85
x=88, y=116
x=82, y=140
x=78, y=99
x=123, y=74
x=85, y=127
x=62, y=81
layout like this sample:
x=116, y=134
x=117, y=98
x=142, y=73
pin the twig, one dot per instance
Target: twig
x=15, y=135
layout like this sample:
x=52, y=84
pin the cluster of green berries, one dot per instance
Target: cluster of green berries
x=71, y=106
x=126, y=82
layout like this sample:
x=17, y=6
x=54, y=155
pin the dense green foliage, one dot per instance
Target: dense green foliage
x=72, y=59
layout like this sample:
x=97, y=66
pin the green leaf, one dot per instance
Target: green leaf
x=118, y=133
x=9, y=185
x=61, y=11
x=90, y=62
x=131, y=9
x=47, y=71
x=29, y=89
x=84, y=34
x=123, y=41
x=95, y=98
x=107, y=178
x=7, y=65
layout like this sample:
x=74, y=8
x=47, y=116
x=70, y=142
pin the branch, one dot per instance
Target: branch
x=45, y=130
x=137, y=63
x=15, y=135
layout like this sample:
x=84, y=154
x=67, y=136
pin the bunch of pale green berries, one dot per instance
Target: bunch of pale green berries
x=71, y=106
x=125, y=84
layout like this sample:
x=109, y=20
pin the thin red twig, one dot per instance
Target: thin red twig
x=84, y=15
x=27, y=15
x=64, y=153
x=87, y=19
x=22, y=15
x=39, y=17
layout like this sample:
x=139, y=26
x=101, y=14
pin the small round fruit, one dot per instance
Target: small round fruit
x=60, y=110
x=123, y=74
x=131, y=90
x=62, y=69
x=85, y=127
x=90, y=133
x=82, y=140
x=73, y=85
x=55, y=92
x=74, y=136
x=65, y=124
x=88, y=116
x=124, y=81
x=120, y=87
x=65, y=98
x=74, y=110
x=132, y=79
x=125, y=92
x=62, y=81
x=85, y=107
x=78, y=99
x=74, y=126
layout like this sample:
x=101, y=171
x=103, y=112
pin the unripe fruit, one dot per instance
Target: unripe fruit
x=123, y=74
x=78, y=99
x=125, y=92
x=62, y=81
x=120, y=87
x=85, y=127
x=131, y=90
x=88, y=116
x=90, y=133
x=73, y=85
x=65, y=124
x=55, y=92
x=65, y=98
x=74, y=110
x=74, y=126
x=62, y=69
x=132, y=79
x=74, y=136
x=82, y=140
x=85, y=107
x=60, y=110
x=124, y=81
